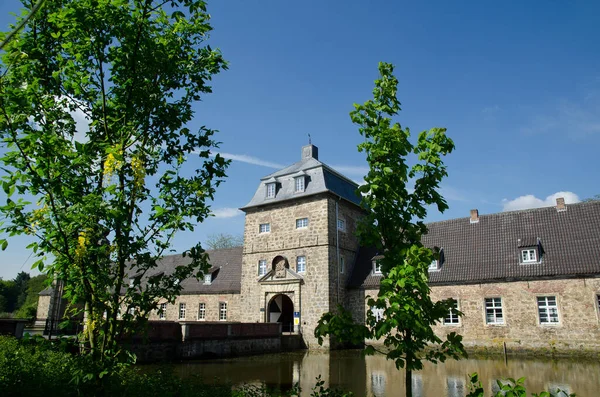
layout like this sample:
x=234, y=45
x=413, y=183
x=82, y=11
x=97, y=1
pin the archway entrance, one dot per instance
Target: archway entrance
x=281, y=310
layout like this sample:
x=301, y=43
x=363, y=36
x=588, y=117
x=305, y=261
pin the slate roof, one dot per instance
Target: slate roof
x=488, y=251
x=320, y=178
x=226, y=269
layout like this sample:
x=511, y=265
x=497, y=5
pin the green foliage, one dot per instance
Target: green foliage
x=510, y=387
x=105, y=201
x=35, y=285
x=224, y=240
x=396, y=196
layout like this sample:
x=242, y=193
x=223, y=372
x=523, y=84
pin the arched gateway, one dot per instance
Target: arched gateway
x=281, y=310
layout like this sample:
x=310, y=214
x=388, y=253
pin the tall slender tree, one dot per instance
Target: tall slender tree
x=396, y=196
x=106, y=201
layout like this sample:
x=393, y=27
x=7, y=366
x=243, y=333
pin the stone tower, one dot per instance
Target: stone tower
x=299, y=245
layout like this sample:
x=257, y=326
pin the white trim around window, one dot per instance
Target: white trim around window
x=376, y=267
x=451, y=318
x=494, y=312
x=182, y=310
x=271, y=190
x=162, y=311
x=301, y=264
x=222, y=311
x=529, y=255
x=264, y=228
x=301, y=223
x=434, y=266
x=262, y=267
x=341, y=225
x=201, y=311
x=547, y=310
x=299, y=184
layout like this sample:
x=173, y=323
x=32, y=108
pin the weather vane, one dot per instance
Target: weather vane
x=309, y=142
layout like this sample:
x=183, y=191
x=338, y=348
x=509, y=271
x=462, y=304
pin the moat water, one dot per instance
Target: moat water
x=378, y=377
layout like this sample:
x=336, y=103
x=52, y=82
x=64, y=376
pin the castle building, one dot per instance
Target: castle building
x=528, y=279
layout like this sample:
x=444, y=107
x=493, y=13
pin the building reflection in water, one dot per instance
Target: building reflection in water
x=374, y=376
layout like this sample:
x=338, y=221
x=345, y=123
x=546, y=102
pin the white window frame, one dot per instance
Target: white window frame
x=454, y=319
x=271, y=190
x=162, y=311
x=543, y=304
x=376, y=267
x=131, y=282
x=301, y=223
x=264, y=228
x=207, y=279
x=377, y=312
x=342, y=264
x=262, y=267
x=182, y=310
x=341, y=225
x=222, y=311
x=301, y=264
x=493, y=306
x=529, y=255
x=299, y=184
x=434, y=266
x=201, y=311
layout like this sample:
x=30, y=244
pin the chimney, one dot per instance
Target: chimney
x=474, y=216
x=560, y=204
x=309, y=151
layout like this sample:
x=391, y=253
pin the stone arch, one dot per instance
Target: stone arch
x=279, y=264
x=281, y=310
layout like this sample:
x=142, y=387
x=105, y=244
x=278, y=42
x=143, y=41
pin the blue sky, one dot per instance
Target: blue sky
x=517, y=84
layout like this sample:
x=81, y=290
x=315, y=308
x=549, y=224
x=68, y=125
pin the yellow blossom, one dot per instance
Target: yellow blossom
x=139, y=172
x=111, y=164
x=82, y=242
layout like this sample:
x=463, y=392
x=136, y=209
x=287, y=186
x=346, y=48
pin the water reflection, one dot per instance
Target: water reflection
x=378, y=377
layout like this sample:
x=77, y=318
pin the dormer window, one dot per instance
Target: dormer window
x=434, y=265
x=271, y=190
x=207, y=279
x=529, y=255
x=376, y=267
x=299, y=184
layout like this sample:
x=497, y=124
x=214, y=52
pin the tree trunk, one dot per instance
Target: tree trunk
x=409, y=364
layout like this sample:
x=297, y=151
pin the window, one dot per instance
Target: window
x=434, y=265
x=301, y=223
x=452, y=318
x=270, y=190
x=264, y=228
x=377, y=313
x=223, y=311
x=208, y=278
x=455, y=386
x=342, y=264
x=182, y=311
x=162, y=311
x=493, y=311
x=131, y=283
x=547, y=309
x=341, y=225
x=378, y=383
x=132, y=311
x=202, y=311
x=301, y=264
x=528, y=255
x=262, y=267
x=299, y=184
x=376, y=267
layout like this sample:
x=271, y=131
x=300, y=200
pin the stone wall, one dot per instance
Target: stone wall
x=43, y=307
x=211, y=301
x=578, y=311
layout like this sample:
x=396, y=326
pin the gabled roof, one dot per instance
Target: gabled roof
x=226, y=267
x=320, y=178
x=488, y=251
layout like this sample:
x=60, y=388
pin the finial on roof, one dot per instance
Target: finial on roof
x=309, y=142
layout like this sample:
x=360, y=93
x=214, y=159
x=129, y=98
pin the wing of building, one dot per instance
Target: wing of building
x=527, y=278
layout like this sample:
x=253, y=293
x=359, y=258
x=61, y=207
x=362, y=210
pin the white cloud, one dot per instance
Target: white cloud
x=351, y=169
x=250, y=160
x=530, y=201
x=226, y=212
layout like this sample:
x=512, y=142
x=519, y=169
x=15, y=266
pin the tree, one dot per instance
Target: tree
x=21, y=283
x=35, y=285
x=394, y=225
x=106, y=202
x=224, y=240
